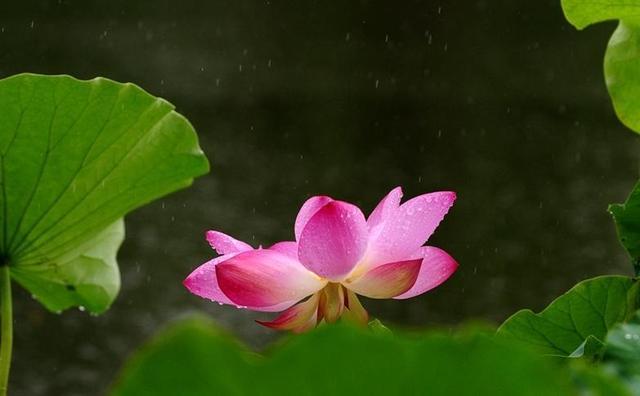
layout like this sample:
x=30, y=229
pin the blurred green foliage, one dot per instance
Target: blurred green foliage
x=193, y=357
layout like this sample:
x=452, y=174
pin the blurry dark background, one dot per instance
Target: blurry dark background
x=501, y=101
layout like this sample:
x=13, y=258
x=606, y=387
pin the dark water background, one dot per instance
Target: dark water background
x=501, y=101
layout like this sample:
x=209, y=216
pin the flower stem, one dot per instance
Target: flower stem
x=6, y=327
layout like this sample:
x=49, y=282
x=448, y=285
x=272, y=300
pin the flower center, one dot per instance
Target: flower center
x=331, y=305
x=335, y=300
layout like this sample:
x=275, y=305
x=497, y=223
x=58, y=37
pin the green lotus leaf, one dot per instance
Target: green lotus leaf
x=582, y=13
x=75, y=157
x=580, y=318
x=627, y=219
x=622, y=58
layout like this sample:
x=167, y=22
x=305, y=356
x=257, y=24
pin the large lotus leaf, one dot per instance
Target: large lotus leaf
x=622, y=71
x=582, y=13
x=627, y=218
x=193, y=358
x=622, y=58
x=577, y=320
x=76, y=156
x=86, y=276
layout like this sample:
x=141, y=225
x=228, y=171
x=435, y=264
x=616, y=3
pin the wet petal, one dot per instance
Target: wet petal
x=333, y=240
x=385, y=210
x=264, y=278
x=308, y=209
x=224, y=244
x=202, y=281
x=437, y=267
x=409, y=228
x=387, y=280
x=288, y=248
x=296, y=317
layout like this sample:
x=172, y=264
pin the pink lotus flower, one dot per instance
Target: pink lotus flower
x=337, y=254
